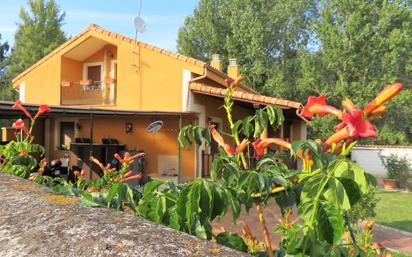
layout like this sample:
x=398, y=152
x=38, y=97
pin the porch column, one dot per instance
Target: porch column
x=91, y=144
x=179, y=176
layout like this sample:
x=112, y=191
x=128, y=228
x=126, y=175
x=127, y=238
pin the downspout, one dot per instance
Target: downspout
x=205, y=73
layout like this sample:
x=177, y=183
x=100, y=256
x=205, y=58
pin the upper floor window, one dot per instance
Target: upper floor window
x=94, y=73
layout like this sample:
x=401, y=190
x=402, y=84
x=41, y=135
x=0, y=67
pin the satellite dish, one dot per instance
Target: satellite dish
x=139, y=24
x=154, y=126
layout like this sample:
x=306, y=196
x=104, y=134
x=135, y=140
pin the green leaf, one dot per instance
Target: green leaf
x=205, y=202
x=311, y=187
x=234, y=203
x=219, y=203
x=86, y=199
x=347, y=169
x=192, y=205
x=352, y=190
x=247, y=126
x=336, y=194
x=330, y=223
x=206, y=135
x=371, y=180
x=151, y=186
x=231, y=240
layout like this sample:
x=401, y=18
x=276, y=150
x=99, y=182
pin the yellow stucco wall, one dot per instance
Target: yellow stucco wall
x=72, y=70
x=43, y=85
x=145, y=76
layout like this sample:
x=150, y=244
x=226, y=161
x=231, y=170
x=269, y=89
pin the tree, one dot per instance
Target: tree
x=263, y=36
x=363, y=45
x=4, y=83
x=39, y=32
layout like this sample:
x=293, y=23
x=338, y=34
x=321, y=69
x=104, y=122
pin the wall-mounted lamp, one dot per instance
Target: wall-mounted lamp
x=129, y=128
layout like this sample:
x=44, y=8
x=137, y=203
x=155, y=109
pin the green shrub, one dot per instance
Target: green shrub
x=399, y=168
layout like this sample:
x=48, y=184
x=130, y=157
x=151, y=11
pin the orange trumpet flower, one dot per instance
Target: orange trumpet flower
x=337, y=137
x=377, y=112
x=260, y=145
x=42, y=109
x=228, y=148
x=19, y=124
x=386, y=94
x=357, y=125
x=18, y=105
x=317, y=105
x=348, y=105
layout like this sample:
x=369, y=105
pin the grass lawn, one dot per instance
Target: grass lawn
x=400, y=255
x=394, y=210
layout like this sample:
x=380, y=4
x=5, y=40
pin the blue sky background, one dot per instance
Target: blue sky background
x=163, y=17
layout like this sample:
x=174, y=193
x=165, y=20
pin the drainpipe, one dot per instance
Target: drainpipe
x=205, y=73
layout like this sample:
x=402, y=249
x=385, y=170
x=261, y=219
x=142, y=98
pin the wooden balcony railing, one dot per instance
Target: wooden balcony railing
x=87, y=92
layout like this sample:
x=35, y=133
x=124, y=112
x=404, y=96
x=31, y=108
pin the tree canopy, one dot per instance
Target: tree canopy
x=262, y=35
x=38, y=33
x=4, y=48
x=293, y=49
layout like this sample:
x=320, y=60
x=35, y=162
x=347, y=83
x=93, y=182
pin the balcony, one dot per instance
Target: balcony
x=88, y=92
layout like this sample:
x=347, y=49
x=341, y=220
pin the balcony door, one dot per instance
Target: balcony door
x=94, y=73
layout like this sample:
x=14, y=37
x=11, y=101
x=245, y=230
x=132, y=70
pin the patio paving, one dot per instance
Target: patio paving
x=389, y=238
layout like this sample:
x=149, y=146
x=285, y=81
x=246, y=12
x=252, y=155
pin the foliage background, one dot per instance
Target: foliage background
x=293, y=49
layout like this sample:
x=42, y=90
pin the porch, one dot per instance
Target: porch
x=74, y=134
x=89, y=74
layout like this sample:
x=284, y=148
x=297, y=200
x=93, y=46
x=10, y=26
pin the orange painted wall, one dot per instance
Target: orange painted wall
x=43, y=85
x=72, y=70
x=214, y=108
x=145, y=76
x=163, y=142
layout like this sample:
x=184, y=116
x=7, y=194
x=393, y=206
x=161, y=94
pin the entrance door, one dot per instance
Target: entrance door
x=207, y=158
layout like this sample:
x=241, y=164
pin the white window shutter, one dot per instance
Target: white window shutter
x=22, y=92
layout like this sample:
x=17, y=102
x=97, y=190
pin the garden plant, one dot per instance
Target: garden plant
x=324, y=190
x=399, y=168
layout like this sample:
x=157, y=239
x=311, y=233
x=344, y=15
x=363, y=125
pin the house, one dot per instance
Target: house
x=102, y=86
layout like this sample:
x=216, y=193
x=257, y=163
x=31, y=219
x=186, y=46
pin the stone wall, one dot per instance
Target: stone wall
x=34, y=222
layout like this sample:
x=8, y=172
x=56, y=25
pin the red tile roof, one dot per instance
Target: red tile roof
x=243, y=96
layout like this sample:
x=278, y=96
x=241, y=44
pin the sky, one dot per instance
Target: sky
x=163, y=17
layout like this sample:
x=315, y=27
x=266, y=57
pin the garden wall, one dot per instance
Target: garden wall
x=369, y=157
x=34, y=222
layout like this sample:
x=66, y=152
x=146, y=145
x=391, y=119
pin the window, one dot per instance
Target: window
x=66, y=133
x=94, y=73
